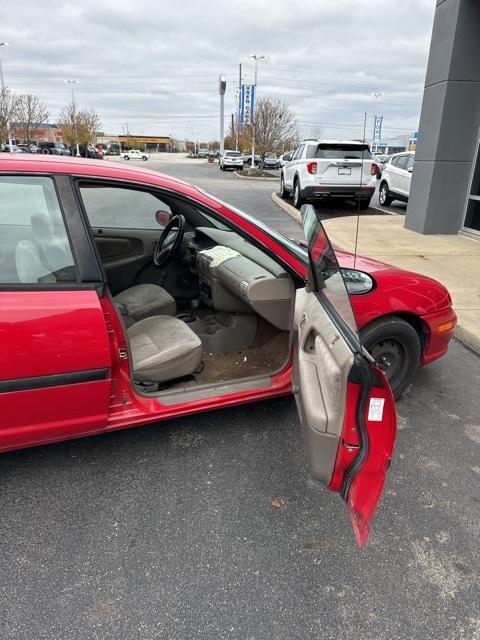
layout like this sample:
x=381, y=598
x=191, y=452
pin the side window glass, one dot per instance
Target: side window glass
x=121, y=208
x=311, y=150
x=34, y=245
x=299, y=152
x=394, y=161
x=410, y=162
x=402, y=162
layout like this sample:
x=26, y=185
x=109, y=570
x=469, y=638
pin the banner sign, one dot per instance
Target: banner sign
x=247, y=103
x=377, y=127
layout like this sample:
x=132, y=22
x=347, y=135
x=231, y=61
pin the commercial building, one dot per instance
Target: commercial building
x=46, y=132
x=445, y=191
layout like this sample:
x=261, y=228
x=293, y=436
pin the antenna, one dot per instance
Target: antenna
x=360, y=190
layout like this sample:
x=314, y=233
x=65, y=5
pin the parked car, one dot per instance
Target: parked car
x=135, y=154
x=396, y=178
x=202, y=153
x=271, y=162
x=247, y=160
x=231, y=160
x=53, y=148
x=109, y=347
x=381, y=161
x=325, y=169
x=285, y=157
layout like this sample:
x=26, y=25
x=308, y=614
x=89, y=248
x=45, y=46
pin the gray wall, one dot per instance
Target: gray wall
x=449, y=120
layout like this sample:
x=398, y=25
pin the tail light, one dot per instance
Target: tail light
x=312, y=167
x=375, y=169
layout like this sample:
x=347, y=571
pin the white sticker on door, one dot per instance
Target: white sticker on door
x=375, y=409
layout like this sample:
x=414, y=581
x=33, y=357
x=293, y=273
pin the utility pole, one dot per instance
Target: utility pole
x=222, y=85
x=256, y=58
x=72, y=83
x=10, y=142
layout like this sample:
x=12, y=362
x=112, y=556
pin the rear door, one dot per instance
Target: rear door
x=345, y=404
x=55, y=356
x=341, y=163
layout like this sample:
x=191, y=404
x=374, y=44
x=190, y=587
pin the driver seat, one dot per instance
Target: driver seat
x=144, y=300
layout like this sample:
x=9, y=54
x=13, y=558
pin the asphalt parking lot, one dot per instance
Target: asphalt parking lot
x=168, y=531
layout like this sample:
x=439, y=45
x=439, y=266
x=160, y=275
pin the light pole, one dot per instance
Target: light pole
x=256, y=58
x=72, y=83
x=222, y=85
x=10, y=143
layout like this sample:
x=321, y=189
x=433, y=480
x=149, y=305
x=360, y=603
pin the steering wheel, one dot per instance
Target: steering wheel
x=170, y=241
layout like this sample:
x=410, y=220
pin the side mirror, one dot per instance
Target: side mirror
x=163, y=217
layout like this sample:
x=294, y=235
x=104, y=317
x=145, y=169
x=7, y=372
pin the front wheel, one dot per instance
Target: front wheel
x=283, y=191
x=144, y=158
x=297, y=196
x=384, y=195
x=126, y=158
x=395, y=346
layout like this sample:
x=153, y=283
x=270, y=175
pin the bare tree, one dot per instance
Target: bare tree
x=7, y=110
x=78, y=126
x=29, y=114
x=273, y=126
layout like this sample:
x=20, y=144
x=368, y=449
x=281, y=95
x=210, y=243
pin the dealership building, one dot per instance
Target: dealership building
x=445, y=190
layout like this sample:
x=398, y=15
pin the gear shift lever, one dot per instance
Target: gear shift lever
x=194, y=305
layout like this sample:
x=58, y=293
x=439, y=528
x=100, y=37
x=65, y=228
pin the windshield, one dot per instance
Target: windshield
x=327, y=277
x=343, y=151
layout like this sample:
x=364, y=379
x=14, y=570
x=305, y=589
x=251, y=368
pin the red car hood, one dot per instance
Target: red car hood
x=425, y=293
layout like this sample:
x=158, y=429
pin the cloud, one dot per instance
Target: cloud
x=155, y=64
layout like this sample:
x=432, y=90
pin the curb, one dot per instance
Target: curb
x=254, y=177
x=292, y=212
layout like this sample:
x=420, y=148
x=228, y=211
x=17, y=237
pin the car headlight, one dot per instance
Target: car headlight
x=357, y=282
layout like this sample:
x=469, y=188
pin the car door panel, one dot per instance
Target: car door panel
x=345, y=405
x=54, y=365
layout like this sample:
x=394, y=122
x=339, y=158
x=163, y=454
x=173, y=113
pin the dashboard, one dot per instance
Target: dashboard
x=235, y=276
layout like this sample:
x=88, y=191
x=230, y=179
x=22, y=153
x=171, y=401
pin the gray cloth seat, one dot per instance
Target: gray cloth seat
x=144, y=300
x=163, y=348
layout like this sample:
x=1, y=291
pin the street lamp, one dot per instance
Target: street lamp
x=72, y=83
x=256, y=58
x=2, y=79
x=222, y=85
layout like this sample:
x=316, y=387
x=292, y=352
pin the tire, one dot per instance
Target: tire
x=144, y=158
x=283, y=191
x=364, y=204
x=395, y=346
x=297, y=196
x=126, y=158
x=384, y=197
x=45, y=151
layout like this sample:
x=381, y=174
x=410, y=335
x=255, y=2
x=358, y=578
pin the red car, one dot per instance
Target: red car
x=129, y=297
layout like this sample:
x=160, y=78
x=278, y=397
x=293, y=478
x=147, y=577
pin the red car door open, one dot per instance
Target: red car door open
x=345, y=404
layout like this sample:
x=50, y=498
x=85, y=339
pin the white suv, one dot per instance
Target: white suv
x=231, y=160
x=135, y=154
x=396, y=178
x=321, y=169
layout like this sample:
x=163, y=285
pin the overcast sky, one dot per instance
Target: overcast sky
x=153, y=65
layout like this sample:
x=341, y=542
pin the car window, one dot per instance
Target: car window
x=298, y=152
x=233, y=154
x=394, y=161
x=343, y=151
x=402, y=162
x=121, y=207
x=410, y=162
x=311, y=150
x=325, y=274
x=35, y=248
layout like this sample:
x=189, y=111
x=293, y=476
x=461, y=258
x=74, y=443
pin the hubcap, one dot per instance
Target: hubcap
x=391, y=358
x=383, y=195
